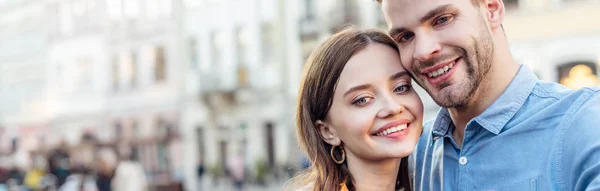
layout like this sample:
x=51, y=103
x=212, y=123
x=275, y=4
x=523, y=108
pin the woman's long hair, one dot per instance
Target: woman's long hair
x=321, y=74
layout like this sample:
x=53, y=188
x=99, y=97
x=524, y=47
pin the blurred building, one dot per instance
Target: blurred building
x=189, y=81
x=242, y=76
x=114, y=69
x=23, y=77
x=101, y=70
x=556, y=38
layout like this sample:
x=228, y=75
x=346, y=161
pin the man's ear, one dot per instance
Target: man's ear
x=328, y=133
x=495, y=13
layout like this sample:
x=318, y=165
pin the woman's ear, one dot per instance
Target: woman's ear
x=328, y=133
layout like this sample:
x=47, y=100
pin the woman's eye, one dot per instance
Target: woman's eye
x=402, y=88
x=361, y=101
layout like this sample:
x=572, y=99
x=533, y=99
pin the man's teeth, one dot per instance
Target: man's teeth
x=392, y=130
x=440, y=71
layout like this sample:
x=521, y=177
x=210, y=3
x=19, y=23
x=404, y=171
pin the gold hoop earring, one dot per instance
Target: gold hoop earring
x=333, y=156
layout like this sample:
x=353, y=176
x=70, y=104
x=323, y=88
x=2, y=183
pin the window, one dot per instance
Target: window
x=268, y=43
x=165, y=7
x=193, y=52
x=83, y=75
x=242, y=52
x=242, y=75
x=135, y=130
x=162, y=132
x=152, y=9
x=217, y=41
x=115, y=73
x=270, y=135
x=163, y=161
x=118, y=131
x=79, y=8
x=309, y=9
x=192, y=3
x=131, y=69
x=132, y=8
x=577, y=75
x=380, y=19
x=60, y=77
x=114, y=9
x=243, y=38
x=14, y=145
x=350, y=12
x=201, y=142
x=160, y=73
x=66, y=18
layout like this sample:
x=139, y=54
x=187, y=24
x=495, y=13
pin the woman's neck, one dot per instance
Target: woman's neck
x=373, y=175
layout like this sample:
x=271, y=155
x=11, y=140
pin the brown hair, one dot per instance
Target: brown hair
x=321, y=74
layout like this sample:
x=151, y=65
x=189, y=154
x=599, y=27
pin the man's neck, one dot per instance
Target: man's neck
x=373, y=175
x=501, y=73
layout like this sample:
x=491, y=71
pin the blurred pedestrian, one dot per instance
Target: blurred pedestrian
x=129, y=175
x=105, y=169
x=200, y=173
x=80, y=180
x=236, y=170
x=59, y=163
x=33, y=177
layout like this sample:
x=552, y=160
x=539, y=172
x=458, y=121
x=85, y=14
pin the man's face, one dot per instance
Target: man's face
x=445, y=45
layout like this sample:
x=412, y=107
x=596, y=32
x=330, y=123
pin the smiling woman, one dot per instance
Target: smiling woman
x=358, y=117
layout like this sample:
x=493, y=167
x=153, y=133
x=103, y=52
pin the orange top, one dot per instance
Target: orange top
x=343, y=187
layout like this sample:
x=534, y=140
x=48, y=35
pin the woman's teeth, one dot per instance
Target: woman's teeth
x=440, y=71
x=393, y=130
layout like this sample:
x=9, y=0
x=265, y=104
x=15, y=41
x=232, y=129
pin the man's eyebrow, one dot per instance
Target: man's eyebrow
x=394, y=31
x=435, y=12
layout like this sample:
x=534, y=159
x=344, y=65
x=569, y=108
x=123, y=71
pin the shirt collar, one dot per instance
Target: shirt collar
x=501, y=111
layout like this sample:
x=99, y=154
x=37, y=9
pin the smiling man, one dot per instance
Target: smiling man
x=500, y=127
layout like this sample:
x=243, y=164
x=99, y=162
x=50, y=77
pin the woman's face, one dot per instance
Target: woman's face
x=375, y=112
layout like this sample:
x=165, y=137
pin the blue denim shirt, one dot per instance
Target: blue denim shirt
x=536, y=136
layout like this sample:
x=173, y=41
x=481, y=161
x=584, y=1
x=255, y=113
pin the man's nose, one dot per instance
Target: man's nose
x=426, y=47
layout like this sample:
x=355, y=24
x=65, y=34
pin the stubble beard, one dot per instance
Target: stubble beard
x=479, y=53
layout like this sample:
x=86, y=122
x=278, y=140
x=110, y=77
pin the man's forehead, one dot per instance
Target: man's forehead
x=411, y=6
x=403, y=12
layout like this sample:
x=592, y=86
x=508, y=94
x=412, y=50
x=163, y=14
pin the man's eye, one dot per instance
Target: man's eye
x=406, y=37
x=443, y=20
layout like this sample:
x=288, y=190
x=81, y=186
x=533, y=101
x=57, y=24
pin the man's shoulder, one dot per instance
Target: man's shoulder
x=587, y=107
x=559, y=91
x=567, y=99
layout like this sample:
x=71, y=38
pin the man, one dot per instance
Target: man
x=500, y=127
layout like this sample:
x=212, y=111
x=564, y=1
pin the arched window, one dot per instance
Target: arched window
x=577, y=75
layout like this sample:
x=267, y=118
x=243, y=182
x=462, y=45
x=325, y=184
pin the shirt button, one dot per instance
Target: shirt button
x=462, y=160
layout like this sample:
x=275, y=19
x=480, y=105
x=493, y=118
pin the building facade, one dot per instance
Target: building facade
x=242, y=73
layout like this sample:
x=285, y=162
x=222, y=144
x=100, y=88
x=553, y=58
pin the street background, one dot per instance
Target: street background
x=200, y=94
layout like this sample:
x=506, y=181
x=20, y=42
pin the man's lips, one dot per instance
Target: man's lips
x=438, y=66
x=443, y=73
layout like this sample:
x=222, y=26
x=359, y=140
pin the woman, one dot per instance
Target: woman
x=358, y=117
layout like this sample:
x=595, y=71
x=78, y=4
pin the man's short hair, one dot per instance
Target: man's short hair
x=475, y=2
